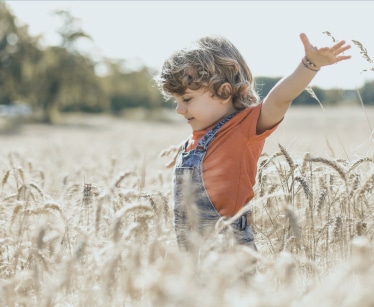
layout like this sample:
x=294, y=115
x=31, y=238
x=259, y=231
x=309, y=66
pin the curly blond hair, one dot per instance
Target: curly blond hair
x=208, y=63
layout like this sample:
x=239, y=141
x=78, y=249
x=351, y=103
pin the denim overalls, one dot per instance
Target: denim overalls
x=193, y=210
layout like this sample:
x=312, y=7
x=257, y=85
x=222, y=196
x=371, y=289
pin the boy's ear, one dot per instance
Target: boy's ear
x=225, y=90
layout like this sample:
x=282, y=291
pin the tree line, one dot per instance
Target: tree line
x=56, y=79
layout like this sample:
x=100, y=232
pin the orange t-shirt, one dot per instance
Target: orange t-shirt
x=230, y=163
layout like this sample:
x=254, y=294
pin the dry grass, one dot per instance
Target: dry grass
x=86, y=220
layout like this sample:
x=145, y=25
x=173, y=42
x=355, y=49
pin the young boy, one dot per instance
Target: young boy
x=215, y=172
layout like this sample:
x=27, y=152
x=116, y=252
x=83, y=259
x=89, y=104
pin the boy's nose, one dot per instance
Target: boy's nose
x=180, y=109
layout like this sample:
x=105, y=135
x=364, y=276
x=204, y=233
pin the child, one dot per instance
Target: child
x=215, y=172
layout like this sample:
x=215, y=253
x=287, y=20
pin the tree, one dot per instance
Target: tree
x=367, y=93
x=334, y=96
x=70, y=31
x=66, y=79
x=305, y=98
x=130, y=89
x=18, y=53
x=265, y=84
x=52, y=79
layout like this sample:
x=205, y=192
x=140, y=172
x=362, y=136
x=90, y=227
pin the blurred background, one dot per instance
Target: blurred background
x=62, y=58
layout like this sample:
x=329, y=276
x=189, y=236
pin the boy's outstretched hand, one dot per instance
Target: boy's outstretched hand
x=278, y=100
x=325, y=55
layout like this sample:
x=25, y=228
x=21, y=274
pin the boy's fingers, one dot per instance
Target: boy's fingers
x=343, y=57
x=345, y=48
x=305, y=41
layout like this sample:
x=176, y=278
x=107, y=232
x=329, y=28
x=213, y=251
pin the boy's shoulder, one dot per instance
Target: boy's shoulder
x=252, y=111
x=246, y=120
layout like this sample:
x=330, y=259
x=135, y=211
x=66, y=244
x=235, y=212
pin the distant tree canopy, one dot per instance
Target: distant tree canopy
x=57, y=79
x=130, y=89
x=18, y=54
x=263, y=85
x=49, y=79
x=367, y=93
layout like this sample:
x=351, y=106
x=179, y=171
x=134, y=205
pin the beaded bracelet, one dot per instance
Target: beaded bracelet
x=308, y=64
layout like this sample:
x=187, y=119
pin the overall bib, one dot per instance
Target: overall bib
x=193, y=210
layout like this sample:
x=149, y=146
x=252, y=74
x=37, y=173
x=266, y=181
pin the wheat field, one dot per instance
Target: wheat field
x=86, y=217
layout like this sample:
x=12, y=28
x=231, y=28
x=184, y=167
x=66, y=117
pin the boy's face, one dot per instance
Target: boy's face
x=201, y=109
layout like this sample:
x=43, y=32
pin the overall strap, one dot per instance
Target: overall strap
x=210, y=135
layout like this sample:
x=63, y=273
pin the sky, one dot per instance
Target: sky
x=265, y=32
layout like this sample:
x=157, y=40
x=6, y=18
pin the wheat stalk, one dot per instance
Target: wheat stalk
x=287, y=156
x=330, y=35
x=313, y=95
x=332, y=164
x=121, y=177
x=367, y=186
x=5, y=178
x=21, y=174
x=321, y=200
x=358, y=162
x=363, y=51
x=305, y=163
x=337, y=230
x=305, y=186
x=36, y=187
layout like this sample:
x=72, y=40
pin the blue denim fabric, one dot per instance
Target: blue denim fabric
x=193, y=210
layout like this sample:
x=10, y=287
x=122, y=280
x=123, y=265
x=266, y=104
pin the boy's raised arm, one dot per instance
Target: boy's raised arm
x=277, y=102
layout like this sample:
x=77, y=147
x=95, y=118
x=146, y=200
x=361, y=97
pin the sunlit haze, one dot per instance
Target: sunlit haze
x=266, y=32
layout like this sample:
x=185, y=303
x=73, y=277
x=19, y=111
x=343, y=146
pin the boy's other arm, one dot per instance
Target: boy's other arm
x=277, y=102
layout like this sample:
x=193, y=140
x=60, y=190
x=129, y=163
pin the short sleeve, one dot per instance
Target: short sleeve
x=266, y=133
